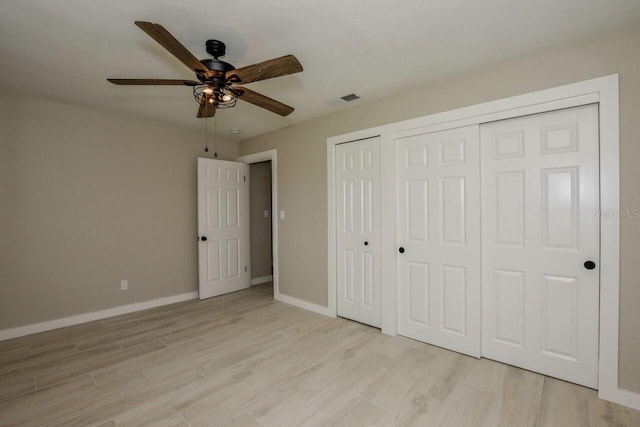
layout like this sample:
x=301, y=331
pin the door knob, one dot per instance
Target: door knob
x=203, y=238
x=366, y=243
x=589, y=265
x=401, y=250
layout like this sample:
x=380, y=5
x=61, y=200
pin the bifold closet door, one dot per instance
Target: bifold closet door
x=541, y=243
x=438, y=259
x=358, y=230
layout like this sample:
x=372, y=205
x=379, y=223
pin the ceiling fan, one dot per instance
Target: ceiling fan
x=216, y=86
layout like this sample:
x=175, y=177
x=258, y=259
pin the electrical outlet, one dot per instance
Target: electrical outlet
x=282, y=214
x=266, y=213
x=124, y=285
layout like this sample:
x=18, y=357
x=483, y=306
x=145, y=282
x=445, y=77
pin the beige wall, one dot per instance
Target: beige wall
x=88, y=199
x=302, y=160
x=260, y=194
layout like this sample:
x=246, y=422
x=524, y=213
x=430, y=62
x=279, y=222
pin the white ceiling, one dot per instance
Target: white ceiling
x=65, y=49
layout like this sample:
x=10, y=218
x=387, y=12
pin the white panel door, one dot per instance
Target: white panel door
x=358, y=231
x=439, y=238
x=540, y=225
x=222, y=227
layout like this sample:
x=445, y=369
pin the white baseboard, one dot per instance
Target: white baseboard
x=621, y=397
x=320, y=309
x=263, y=279
x=35, y=328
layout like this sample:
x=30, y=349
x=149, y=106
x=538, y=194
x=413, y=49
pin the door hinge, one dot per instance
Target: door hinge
x=245, y=178
x=245, y=268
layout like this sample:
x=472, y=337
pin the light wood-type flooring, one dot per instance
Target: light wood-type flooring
x=245, y=360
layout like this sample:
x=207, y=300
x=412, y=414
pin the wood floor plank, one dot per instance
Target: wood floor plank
x=128, y=399
x=14, y=354
x=358, y=412
x=398, y=378
x=603, y=413
x=469, y=408
x=166, y=405
x=112, y=335
x=33, y=362
x=521, y=394
x=278, y=401
x=11, y=388
x=566, y=404
x=216, y=403
x=342, y=390
x=47, y=400
x=238, y=352
x=173, y=421
x=166, y=356
x=85, y=362
x=77, y=403
x=243, y=359
x=46, y=341
x=413, y=409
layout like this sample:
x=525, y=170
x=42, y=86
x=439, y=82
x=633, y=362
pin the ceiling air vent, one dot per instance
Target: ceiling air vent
x=350, y=97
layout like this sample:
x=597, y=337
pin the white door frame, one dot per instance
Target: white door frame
x=264, y=156
x=601, y=90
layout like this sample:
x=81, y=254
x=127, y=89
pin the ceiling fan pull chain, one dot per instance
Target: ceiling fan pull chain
x=215, y=134
x=206, y=135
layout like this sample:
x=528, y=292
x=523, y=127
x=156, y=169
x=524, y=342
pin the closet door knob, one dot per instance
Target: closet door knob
x=401, y=250
x=203, y=238
x=366, y=243
x=589, y=265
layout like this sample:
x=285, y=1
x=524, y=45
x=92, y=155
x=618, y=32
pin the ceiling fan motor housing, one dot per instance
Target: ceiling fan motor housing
x=216, y=48
x=217, y=65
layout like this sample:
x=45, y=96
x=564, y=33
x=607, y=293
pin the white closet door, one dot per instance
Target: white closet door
x=439, y=233
x=540, y=226
x=358, y=235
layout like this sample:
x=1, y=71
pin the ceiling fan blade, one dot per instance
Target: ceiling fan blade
x=263, y=101
x=206, y=109
x=166, y=40
x=158, y=82
x=277, y=67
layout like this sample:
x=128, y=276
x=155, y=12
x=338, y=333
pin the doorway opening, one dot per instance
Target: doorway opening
x=262, y=200
x=261, y=230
